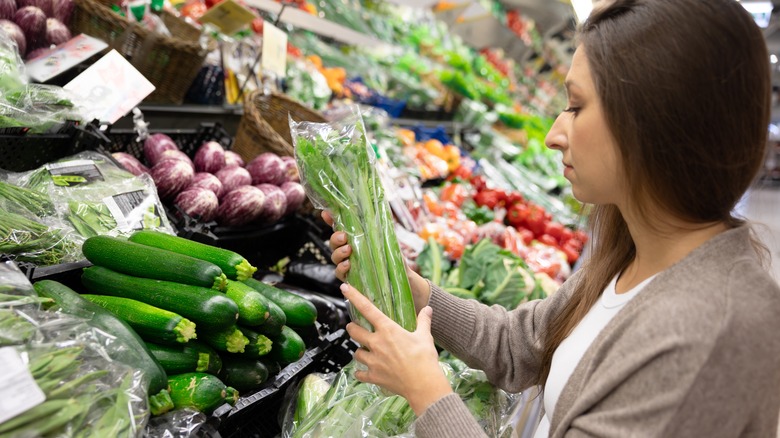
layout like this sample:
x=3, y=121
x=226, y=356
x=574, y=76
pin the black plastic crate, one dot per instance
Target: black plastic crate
x=188, y=140
x=22, y=152
x=260, y=414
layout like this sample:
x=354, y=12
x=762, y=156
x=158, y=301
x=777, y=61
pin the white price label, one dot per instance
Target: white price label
x=133, y=211
x=18, y=390
x=274, y=50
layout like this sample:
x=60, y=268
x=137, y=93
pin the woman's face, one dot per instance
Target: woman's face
x=581, y=133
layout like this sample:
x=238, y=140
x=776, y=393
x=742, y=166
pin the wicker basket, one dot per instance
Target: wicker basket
x=170, y=63
x=264, y=126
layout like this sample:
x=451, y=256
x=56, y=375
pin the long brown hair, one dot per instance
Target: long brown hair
x=685, y=88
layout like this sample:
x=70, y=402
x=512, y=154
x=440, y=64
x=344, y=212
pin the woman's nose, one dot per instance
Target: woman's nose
x=556, y=137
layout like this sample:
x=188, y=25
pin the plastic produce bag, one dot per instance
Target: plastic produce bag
x=30, y=230
x=33, y=107
x=97, y=197
x=58, y=372
x=337, y=167
x=338, y=405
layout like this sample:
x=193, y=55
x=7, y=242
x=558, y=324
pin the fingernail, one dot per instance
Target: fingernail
x=344, y=287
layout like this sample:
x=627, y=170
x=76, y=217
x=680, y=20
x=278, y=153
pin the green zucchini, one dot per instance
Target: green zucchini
x=215, y=360
x=259, y=345
x=230, y=340
x=276, y=319
x=200, y=391
x=233, y=264
x=207, y=308
x=252, y=306
x=270, y=364
x=243, y=373
x=300, y=312
x=185, y=359
x=148, y=262
x=135, y=354
x=150, y=322
x=288, y=347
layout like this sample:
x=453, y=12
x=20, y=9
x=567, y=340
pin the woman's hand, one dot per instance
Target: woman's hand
x=405, y=363
x=421, y=290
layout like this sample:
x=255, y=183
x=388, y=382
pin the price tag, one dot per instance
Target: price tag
x=133, y=211
x=274, y=50
x=74, y=172
x=229, y=16
x=110, y=88
x=63, y=57
x=18, y=390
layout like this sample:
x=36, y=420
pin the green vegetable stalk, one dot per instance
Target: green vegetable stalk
x=337, y=167
x=30, y=241
x=34, y=201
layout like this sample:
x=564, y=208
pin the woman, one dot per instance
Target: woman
x=671, y=327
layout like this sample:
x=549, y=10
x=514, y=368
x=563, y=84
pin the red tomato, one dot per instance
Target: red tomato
x=536, y=221
x=571, y=254
x=555, y=230
x=575, y=244
x=581, y=236
x=548, y=240
x=517, y=215
x=566, y=235
x=257, y=25
x=479, y=183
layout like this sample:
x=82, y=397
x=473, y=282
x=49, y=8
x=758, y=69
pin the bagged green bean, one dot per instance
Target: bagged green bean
x=337, y=168
x=57, y=371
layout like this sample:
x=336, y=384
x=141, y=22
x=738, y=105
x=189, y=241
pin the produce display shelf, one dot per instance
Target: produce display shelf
x=303, y=20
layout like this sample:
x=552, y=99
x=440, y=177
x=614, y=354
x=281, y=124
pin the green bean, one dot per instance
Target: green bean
x=75, y=383
x=41, y=411
x=72, y=408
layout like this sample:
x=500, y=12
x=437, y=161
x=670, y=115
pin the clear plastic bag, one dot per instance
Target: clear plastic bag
x=94, y=196
x=337, y=405
x=59, y=371
x=34, y=107
x=30, y=230
x=337, y=168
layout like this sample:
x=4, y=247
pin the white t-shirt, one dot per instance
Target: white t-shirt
x=568, y=355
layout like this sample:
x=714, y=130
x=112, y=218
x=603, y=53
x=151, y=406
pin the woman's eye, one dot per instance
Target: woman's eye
x=571, y=109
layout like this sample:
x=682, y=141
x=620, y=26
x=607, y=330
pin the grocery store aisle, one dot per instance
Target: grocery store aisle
x=762, y=207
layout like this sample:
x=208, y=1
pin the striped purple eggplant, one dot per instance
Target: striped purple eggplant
x=210, y=157
x=233, y=178
x=171, y=177
x=275, y=203
x=198, y=202
x=207, y=181
x=241, y=206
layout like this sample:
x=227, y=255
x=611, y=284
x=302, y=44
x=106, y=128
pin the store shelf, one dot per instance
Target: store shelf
x=186, y=116
x=303, y=20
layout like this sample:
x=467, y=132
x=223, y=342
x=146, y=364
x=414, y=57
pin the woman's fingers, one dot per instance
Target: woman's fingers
x=342, y=269
x=326, y=216
x=359, y=334
x=366, y=308
x=337, y=239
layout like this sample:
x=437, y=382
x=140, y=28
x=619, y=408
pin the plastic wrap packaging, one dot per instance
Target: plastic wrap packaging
x=181, y=423
x=58, y=370
x=97, y=197
x=30, y=230
x=337, y=168
x=337, y=405
x=33, y=107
